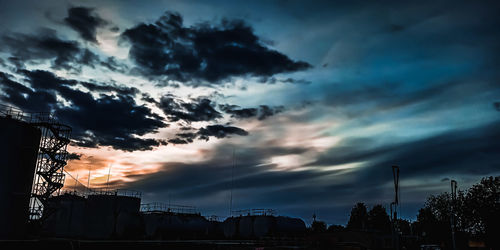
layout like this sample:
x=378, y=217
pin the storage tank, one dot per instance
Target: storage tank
x=230, y=227
x=197, y=225
x=19, y=142
x=166, y=225
x=161, y=225
x=289, y=226
x=129, y=225
x=215, y=230
x=257, y=226
x=263, y=225
x=103, y=211
x=245, y=228
x=152, y=222
x=67, y=217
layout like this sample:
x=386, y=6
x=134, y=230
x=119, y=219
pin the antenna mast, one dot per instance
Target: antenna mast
x=88, y=181
x=452, y=212
x=231, y=193
x=395, y=206
x=109, y=173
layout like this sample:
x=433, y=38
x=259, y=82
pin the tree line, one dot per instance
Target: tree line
x=476, y=218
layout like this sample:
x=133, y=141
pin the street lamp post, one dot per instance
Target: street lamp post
x=452, y=212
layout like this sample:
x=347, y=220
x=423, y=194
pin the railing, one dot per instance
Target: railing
x=253, y=212
x=117, y=192
x=214, y=218
x=30, y=117
x=168, y=208
x=11, y=112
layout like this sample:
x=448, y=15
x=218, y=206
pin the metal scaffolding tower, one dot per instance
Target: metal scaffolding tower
x=52, y=156
x=51, y=159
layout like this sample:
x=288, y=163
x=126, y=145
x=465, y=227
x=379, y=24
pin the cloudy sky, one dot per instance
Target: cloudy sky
x=311, y=102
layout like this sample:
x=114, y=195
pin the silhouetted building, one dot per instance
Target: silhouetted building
x=19, y=142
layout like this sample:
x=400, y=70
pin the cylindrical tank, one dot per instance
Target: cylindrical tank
x=129, y=226
x=230, y=227
x=151, y=223
x=263, y=225
x=215, y=230
x=68, y=216
x=102, y=214
x=19, y=143
x=287, y=225
x=197, y=225
x=175, y=226
x=161, y=225
x=246, y=227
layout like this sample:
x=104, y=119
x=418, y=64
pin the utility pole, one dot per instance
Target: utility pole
x=452, y=212
x=231, y=194
x=88, y=181
x=107, y=182
x=395, y=204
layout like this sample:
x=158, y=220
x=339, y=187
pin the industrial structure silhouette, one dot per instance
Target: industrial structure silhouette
x=33, y=147
x=36, y=213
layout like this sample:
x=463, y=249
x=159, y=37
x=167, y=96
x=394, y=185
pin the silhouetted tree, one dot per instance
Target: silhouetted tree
x=378, y=219
x=477, y=213
x=359, y=218
x=318, y=226
x=404, y=226
x=482, y=208
x=428, y=227
x=434, y=219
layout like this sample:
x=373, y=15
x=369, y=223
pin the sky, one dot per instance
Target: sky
x=301, y=107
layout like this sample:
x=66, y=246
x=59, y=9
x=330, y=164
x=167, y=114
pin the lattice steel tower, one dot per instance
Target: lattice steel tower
x=52, y=156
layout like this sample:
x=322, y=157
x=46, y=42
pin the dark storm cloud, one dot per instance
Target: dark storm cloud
x=109, y=120
x=255, y=179
x=74, y=156
x=40, y=79
x=183, y=138
x=16, y=62
x=204, y=133
x=471, y=151
x=122, y=90
x=84, y=21
x=261, y=113
x=214, y=175
x=202, y=109
x=197, y=110
x=451, y=152
x=369, y=100
x=238, y=112
x=112, y=64
x=204, y=51
x=147, y=98
x=265, y=111
x=177, y=141
x=219, y=131
x=24, y=97
x=46, y=45
x=274, y=80
x=497, y=105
